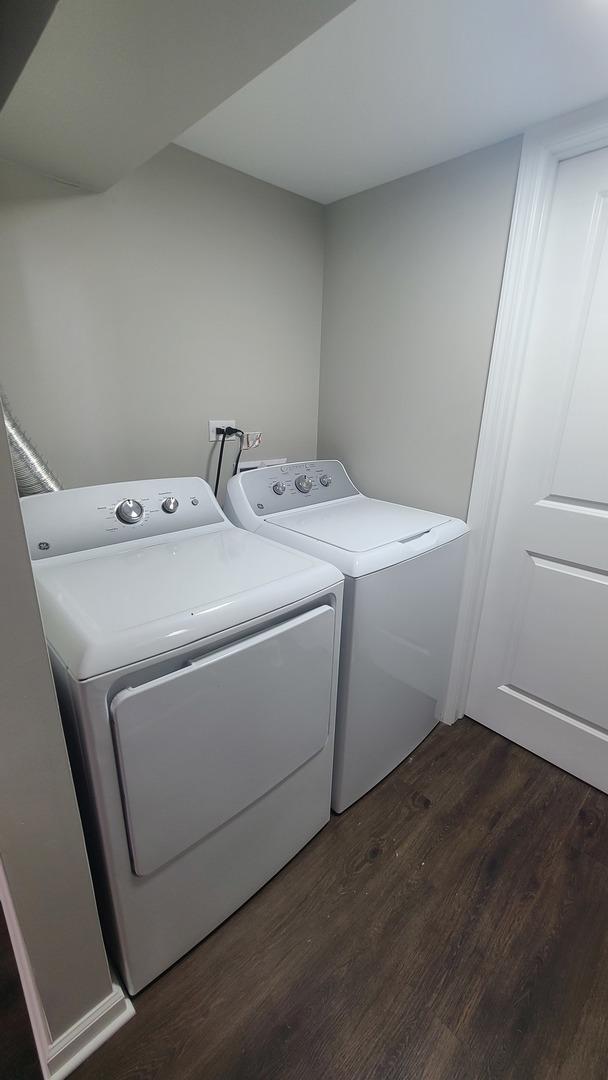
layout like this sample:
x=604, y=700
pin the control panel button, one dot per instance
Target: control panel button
x=325, y=479
x=170, y=504
x=279, y=488
x=303, y=483
x=129, y=511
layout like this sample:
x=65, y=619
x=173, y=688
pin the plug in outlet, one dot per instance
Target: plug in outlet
x=213, y=426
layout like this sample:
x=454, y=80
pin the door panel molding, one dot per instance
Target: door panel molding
x=576, y=746
x=526, y=696
x=575, y=506
x=566, y=566
x=544, y=147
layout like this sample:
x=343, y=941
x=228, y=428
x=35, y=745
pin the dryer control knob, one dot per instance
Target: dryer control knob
x=325, y=479
x=303, y=483
x=279, y=488
x=129, y=511
x=170, y=504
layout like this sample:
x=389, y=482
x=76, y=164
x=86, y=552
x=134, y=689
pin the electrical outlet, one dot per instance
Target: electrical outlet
x=213, y=426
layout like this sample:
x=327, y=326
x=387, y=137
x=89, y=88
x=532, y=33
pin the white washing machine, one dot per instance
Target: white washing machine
x=403, y=573
x=196, y=668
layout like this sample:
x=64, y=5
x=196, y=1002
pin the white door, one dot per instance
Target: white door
x=540, y=672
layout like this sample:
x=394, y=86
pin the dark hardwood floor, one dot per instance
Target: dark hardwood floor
x=453, y=925
x=18, y=1057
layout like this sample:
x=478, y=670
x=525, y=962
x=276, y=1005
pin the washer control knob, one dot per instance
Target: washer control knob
x=325, y=479
x=170, y=504
x=303, y=483
x=129, y=511
x=279, y=488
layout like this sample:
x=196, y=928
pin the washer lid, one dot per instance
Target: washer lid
x=360, y=524
x=110, y=607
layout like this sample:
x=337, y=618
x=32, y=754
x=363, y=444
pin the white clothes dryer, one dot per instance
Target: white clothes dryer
x=403, y=572
x=196, y=668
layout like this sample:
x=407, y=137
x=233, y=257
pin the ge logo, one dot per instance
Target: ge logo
x=43, y=545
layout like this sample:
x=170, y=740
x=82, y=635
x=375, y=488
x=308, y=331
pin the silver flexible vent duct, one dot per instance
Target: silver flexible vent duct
x=31, y=470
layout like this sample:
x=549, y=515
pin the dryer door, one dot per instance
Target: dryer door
x=198, y=746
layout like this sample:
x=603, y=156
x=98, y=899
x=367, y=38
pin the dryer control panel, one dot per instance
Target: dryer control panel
x=78, y=519
x=294, y=486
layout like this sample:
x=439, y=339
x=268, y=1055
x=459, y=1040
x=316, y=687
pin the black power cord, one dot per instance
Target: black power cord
x=226, y=433
x=238, y=456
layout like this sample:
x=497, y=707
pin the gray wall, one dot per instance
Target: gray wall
x=41, y=840
x=412, y=279
x=127, y=319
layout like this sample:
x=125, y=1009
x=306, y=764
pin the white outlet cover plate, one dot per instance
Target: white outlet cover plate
x=214, y=424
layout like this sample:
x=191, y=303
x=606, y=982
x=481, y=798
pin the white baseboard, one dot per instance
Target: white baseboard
x=60, y=1058
x=79, y=1041
x=30, y=990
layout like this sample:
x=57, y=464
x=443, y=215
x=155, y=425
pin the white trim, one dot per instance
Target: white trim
x=26, y=975
x=59, y=1058
x=543, y=148
x=79, y=1041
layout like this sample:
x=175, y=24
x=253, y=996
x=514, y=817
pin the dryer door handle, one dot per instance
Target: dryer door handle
x=263, y=635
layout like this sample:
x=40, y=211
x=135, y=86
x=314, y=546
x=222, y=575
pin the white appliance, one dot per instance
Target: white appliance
x=403, y=573
x=196, y=668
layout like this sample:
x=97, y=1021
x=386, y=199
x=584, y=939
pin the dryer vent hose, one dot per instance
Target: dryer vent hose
x=31, y=470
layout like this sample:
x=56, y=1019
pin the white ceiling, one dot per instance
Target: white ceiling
x=392, y=86
x=111, y=82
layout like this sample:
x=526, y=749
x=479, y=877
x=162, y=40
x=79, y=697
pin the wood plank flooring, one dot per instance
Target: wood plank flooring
x=452, y=925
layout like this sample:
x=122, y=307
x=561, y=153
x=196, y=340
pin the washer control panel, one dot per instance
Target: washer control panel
x=295, y=485
x=79, y=519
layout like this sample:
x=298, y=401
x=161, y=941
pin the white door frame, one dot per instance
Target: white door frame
x=544, y=146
